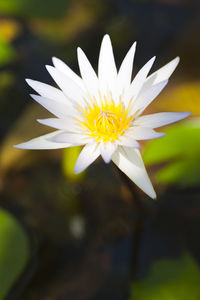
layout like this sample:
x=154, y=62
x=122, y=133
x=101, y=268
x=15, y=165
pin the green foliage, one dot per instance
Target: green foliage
x=7, y=52
x=180, y=151
x=14, y=251
x=169, y=280
x=70, y=156
x=34, y=8
x=7, y=79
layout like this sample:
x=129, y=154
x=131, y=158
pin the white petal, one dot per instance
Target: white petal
x=69, y=87
x=107, y=151
x=128, y=141
x=138, y=81
x=62, y=67
x=160, y=119
x=146, y=97
x=72, y=138
x=87, y=156
x=107, y=72
x=130, y=162
x=142, y=133
x=160, y=75
x=68, y=124
x=88, y=74
x=165, y=72
x=125, y=71
x=47, y=91
x=57, y=108
x=43, y=142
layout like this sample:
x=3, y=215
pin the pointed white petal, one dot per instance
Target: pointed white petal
x=146, y=97
x=142, y=133
x=160, y=119
x=62, y=67
x=128, y=141
x=138, y=81
x=160, y=75
x=107, y=151
x=130, y=162
x=47, y=91
x=57, y=108
x=69, y=87
x=43, y=142
x=87, y=156
x=107, y=72
x=88, y=74
x=72, y=138
x=165, y=72
x=68, y=124
x=125, y=71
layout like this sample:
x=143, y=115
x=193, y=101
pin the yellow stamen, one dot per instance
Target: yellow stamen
x=105, y=122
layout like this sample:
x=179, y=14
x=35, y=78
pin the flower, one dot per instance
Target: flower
x=104, y=113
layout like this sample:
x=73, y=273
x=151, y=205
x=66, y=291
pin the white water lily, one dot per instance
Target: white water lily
x=104, y=113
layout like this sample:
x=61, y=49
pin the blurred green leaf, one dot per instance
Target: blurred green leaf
x=7, y=52
x=6, y=79
x=34, y=8
x=180, y=148
x=169, y=280
x=70, y=156
x=14, y=251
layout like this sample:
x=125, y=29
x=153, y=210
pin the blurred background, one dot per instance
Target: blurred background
x=66, y=236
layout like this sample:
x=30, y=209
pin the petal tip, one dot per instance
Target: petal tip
x=16, y=146
x=152, y=194
x=106, y=160
x=35, y=97
x=106, y=36
x=187, y=114
x=54, y=59
x=175, y=62
x=106, y=39
x=80, y=53
x=177, y=59
x=161, y=134
x=153, y=58
x=49, y=68
x=20, y=146
x=77, y=169
x=41, y=121
x=29, y=81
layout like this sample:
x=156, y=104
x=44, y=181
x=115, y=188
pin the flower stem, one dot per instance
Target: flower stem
x=138, y=211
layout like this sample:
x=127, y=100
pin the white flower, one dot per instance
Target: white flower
x=104, y=113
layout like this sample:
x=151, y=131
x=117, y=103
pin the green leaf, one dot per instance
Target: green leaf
x=14, y=251
x=34, y=8
x=169, y=280
x=7, y=52
x=7, y=79
x=180, y=151
x=70, y=156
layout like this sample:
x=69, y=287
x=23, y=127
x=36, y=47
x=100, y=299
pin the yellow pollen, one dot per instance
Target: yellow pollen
x=105, y=122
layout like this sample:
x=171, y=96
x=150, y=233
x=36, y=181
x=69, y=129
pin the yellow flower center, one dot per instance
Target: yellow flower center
x=105, y=122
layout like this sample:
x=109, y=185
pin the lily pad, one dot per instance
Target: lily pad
x=14, y=251
x=179, y=150
x=170, y=280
